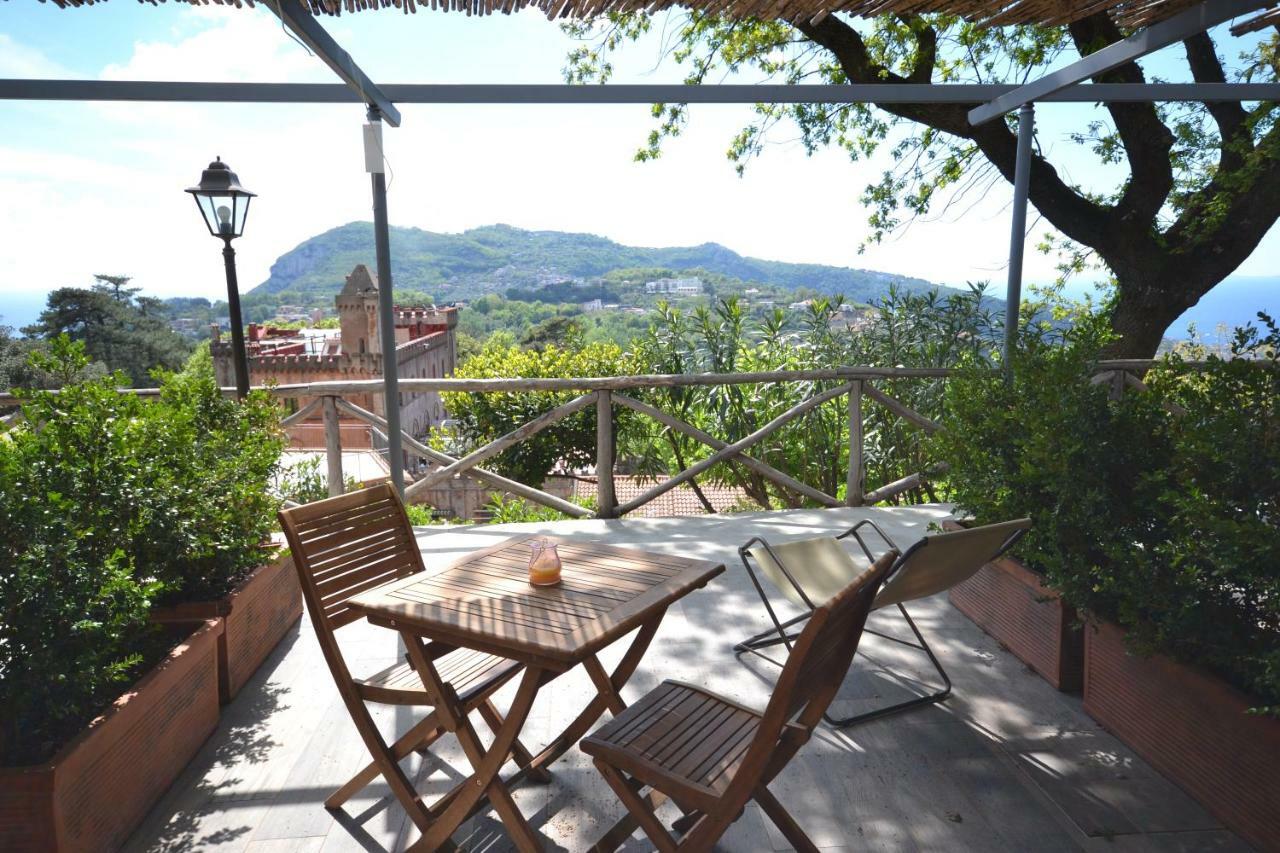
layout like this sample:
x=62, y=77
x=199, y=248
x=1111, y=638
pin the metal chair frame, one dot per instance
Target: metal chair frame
x=778, y=633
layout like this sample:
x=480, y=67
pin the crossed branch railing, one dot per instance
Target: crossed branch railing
x=856, y=384
x=608, y=394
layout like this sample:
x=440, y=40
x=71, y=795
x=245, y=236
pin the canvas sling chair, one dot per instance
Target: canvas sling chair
x=345, y=545
x=710, y=755
x=810, y=570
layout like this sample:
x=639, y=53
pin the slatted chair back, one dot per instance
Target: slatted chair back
x=347, y=544
x=812, y=676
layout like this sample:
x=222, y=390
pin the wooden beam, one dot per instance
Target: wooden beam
x=732, y=449
x=500, y=444
x=764, y=470
x=606, y=497
x=489, y=478
x=333, y=447
x=853, y=482
x=900, y=409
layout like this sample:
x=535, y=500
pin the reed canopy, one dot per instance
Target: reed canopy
x=1130, y=14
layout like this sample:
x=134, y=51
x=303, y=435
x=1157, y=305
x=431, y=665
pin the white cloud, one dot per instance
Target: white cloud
x=21, y=60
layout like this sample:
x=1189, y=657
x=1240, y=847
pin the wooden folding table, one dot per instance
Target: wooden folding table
x=485, y=602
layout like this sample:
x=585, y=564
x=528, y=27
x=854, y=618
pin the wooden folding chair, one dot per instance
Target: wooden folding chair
x=351, y=543
x=710, y=755
x=811, y=570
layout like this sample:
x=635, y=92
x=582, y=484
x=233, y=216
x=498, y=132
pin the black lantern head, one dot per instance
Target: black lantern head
x=223, y=203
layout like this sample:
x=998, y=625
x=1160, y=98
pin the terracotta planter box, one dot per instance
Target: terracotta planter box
x=1192, y=727
x=1008, y=601
x=94, y=792
x=255, y=616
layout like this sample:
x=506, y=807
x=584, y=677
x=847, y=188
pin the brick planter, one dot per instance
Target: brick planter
x=1008, y=601
x=1192, y=727
x=255, y=616
x=94, y=792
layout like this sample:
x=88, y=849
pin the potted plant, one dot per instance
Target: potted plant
x=102, y=708
x=1183, y=664
x=215, y=556
x=1157, y=515
x=1041, y=441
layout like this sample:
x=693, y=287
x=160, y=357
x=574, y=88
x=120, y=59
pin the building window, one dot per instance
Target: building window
x=362, y=346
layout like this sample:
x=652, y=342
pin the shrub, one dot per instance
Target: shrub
x=217, y=505
x=1163, y=523
x=512, y=510
x=108, y=503
x=73, y=611
x=571, y=443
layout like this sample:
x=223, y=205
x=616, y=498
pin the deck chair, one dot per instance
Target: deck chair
x=711, y=755
x=351, y=543
x=812, y=570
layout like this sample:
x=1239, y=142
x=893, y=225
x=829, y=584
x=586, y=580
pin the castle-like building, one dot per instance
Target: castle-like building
x=426, y=347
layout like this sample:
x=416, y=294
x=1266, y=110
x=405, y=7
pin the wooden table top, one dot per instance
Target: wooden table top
x=485, y=601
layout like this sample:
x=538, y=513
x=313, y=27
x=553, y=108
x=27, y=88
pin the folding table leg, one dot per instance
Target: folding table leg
x=622, y=673
x=493, y=719
x=485, y=781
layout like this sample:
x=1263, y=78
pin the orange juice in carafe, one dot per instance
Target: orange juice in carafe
x=544, y=564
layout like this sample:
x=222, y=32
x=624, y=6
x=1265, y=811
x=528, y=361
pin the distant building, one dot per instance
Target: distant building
x=426, y=347
x=675, y=286
x=593, y=305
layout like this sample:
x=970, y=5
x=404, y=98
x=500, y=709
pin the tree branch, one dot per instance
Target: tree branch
x=1147, y=141
x=1071, y=213
x=1230, y=116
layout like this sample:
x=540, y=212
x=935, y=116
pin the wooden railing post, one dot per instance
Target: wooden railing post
x=333, y=446
x=606, y=498
x=853, y=483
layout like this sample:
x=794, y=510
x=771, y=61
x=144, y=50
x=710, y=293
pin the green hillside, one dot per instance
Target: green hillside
x=496, y=258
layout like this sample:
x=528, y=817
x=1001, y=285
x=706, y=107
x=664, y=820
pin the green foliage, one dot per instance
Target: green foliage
x=1164, y=523
x=303, y=482
x=127, y=335
x=912, y=330
x=480, y=418
x=513, y=510
x=109, y=502
x=19, y=370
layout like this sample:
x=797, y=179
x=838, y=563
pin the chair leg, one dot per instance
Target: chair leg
x=784, y=821
x=937, y=696
x=424, y=733
x=638, y=808
x=493, y=719
x=770, y=636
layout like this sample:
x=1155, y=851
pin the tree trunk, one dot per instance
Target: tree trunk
x=1148, y=303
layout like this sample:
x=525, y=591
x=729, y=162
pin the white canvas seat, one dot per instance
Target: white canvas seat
x=810, y=571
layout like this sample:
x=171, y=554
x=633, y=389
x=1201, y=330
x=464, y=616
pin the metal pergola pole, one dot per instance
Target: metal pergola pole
x=1018, y=228
x=386, y=307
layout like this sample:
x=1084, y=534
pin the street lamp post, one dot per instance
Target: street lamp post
x=224, y=204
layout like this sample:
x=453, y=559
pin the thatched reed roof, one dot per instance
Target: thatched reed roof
x=1127, y=13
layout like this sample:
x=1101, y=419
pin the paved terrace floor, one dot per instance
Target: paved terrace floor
x=1007, y=763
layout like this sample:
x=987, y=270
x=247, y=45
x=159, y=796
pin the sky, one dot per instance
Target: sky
x=98, y=188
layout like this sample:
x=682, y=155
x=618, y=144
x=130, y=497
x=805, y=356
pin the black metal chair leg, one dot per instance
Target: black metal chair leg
x=897, y=708
x=770, y=636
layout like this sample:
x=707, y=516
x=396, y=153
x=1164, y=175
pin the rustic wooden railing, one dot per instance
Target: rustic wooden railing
x=607, y=394
x=857, y=384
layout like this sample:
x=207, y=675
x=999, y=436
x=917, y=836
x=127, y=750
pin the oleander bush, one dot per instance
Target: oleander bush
x=110, y=503
x=1155, y=510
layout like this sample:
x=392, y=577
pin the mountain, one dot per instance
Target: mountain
x=495, y=258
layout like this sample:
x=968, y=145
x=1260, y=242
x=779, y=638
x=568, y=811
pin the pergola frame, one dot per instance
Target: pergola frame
x=1064, y=85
